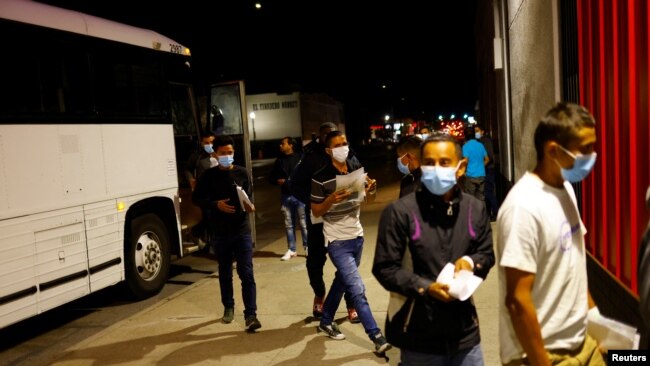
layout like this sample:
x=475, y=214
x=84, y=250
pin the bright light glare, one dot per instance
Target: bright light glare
x=453, y=116
x=258, y=6
x=252, y=115
x=386, y=117
x=440, y=117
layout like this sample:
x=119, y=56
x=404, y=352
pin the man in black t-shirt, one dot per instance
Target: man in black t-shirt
x=217, y=191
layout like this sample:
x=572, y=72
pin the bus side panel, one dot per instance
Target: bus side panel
x=105, y=244
x=18, y=286
x=46, y=167
x=61, y=258
x=139, y=158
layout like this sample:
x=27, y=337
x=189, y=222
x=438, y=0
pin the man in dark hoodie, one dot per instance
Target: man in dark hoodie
x=420, y=234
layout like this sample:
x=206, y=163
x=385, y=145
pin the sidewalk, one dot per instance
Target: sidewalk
x=186, y=328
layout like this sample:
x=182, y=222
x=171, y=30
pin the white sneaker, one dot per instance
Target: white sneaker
x=288, y=255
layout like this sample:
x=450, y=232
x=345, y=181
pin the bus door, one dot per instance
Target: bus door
x=227, y=116
x=186, y=141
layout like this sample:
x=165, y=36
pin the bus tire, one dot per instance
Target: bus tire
x=147, y=256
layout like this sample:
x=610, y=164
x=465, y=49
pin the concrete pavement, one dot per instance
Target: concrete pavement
x=186, y=328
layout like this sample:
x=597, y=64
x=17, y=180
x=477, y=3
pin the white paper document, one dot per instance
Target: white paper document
x=355, y=182
x=463, y=285
x=610, y=333
x=243, y=198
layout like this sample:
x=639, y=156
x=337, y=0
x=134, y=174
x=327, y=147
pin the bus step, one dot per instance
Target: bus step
x=190, y=247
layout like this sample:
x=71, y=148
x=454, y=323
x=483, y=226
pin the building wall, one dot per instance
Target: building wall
x=533, y=70
x=276, y=116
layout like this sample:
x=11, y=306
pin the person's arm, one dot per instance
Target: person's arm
x=523, y=315
x=201, y=193
x=320, y=208
x=301, y=181
x=390, y=268
x=190, y=170
x=277, y=175
x=371, y=189
x=479, y=257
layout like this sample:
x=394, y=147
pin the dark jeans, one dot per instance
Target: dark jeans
x=238, y=246
x=475, y=186
x=316, y=260
x=491, y=192
x=468, y=357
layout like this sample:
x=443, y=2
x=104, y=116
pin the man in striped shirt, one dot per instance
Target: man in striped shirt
x=343, y=238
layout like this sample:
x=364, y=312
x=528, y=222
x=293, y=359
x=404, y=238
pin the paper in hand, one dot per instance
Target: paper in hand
x=463, y=285
x=243, y=198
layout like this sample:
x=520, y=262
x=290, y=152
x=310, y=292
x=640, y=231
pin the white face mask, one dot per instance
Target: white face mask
x=340, y=153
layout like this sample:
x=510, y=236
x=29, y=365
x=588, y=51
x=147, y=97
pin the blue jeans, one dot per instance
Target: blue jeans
x=240, y=247
x=294, y=210
x=468, y=357
x=346, y=256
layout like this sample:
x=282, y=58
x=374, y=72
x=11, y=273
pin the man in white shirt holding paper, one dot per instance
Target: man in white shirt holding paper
x=418, y=236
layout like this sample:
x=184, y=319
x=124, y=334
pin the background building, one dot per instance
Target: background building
x=273, y=116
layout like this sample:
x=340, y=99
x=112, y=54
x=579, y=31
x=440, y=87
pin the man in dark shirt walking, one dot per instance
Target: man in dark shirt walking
x=217, y=190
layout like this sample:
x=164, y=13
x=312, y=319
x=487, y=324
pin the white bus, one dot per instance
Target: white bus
x=89, y=112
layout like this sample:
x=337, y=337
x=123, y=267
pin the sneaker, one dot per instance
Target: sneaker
x=381, y=344
x=252, y=323
x=318, y=307
x=331, y=331
x=288, y=255
x=353, y=317
x=228, y=315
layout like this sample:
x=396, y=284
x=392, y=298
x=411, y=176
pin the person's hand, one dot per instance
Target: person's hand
x=440, y=292
x=462, y=264
x=193, y=184
x=371, y=188
x=339, y=196
x=249, y=208
x=281, y=181
x=224, y=207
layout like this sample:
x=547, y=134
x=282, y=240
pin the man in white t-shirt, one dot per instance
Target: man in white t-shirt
x=544, y=296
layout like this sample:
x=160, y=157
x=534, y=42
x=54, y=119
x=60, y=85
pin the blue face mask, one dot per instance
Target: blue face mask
x=582, y=166
x=403, y=168
x=208, y=148
x=438, y=180
x=226, y=160
x=477, y=135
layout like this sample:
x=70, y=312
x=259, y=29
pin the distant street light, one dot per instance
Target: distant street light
x=453, y=116
x=386, y=118
x=258, y=6
x=252, y=116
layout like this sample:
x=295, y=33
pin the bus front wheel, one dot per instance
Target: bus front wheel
x=147, y=256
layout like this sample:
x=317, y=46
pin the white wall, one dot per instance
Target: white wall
x=276, y=116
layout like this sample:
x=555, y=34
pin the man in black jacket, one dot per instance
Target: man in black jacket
x=292, y=208
x=420, y=234
x=217, y=191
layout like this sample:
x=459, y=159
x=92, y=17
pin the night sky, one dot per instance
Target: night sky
x=422, y=51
